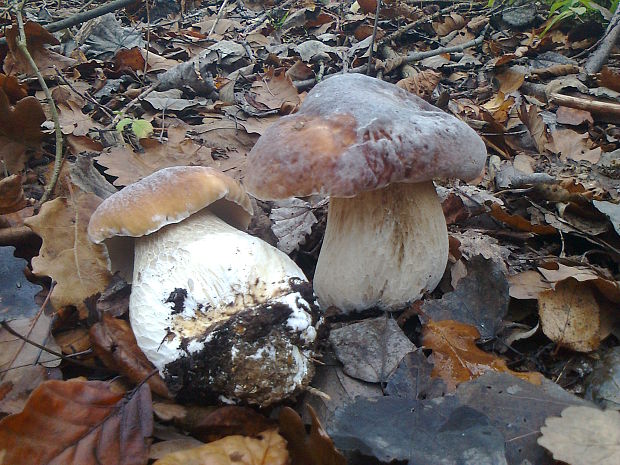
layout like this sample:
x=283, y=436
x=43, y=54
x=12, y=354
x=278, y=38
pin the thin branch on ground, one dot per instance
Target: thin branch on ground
x=217, y=18
x=599, y=57
x=591, y=105
x=374, y=36
x=23, y=48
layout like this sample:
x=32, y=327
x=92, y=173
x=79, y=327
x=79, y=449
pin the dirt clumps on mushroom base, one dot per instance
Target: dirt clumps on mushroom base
x=374, y=148
x=220, y=313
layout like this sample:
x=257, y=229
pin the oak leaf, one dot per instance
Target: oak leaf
x=11, y=194
x=457, y=358
x=79, y=423
x=275, y=91
x=79, y=267
x=269, y=448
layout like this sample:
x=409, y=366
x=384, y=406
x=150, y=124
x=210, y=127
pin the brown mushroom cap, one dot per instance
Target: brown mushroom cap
x=169, y=196
x=354, y=133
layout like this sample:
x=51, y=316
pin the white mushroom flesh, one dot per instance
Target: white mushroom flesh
x=382, y=248
x=220, y=271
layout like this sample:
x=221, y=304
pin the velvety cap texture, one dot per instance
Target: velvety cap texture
x=168, y=196
x=355, y=133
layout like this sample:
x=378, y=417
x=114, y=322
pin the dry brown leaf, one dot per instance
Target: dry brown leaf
x=573, y=116
x=129, y=59
x=450, y=23
x=527, y=285
x=556, y=272
x=457, y=358
x=500, y=106
x=79, y=267
x=570, y=315
x=20, y=131
x=212, y=423
x=37, y=37
x=73, y=120
x=11, y=194
x=79, y=423
x=275, y=91
x=610, y=78
x=269, y=448
x=509, y=80
x=12, y=88
x=530, y=116
x=115, y=344
x=583, y=436
x=129, y=166
x=308, y=449
x=518, y=222
x=570, y=144
x=422, y=83
x=23, y=365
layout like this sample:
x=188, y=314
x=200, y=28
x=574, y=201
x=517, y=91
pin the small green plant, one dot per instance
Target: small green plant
x=277, y=19
x=561, y=10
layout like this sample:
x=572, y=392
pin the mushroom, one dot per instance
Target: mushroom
x=218, y=312
x=374, y=148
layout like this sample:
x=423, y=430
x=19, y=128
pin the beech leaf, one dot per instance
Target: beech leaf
x=79, y=423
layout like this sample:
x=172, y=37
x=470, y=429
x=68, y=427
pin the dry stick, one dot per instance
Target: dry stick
x=374, y=36
x=400, y=32
x=263, y=17
x=217, y=18
x=21, y=44
x=132, y=104
x=596, y=61
x=83, y=17
x=594, y=106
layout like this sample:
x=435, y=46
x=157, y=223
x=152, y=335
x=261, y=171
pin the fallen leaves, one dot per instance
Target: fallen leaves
x=583, y=436
x=115, y=344
x=79, y=423
x=79, y=267
x=457, y=358
x=275, y=91
x=269, y=448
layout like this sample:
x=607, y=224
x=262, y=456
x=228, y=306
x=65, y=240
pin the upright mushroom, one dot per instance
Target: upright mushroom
x=374, y=148
x=217, y=311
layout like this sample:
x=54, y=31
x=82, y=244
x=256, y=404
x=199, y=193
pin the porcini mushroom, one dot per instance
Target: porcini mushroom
x=375, y=149
x=217, y=311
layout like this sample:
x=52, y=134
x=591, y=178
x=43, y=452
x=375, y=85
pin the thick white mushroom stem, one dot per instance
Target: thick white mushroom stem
x=382, y=248
x=191, y=275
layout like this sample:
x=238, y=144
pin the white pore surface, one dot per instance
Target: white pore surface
x=223, y=270
x=383, y=248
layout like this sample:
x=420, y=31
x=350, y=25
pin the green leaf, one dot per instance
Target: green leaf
x=122, y=123
x=141, y=128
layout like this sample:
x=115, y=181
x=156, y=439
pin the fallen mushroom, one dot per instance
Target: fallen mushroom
x=220, y=313
x=374, y=148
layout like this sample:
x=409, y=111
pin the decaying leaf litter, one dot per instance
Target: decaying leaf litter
x=519, y=335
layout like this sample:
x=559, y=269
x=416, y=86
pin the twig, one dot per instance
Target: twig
x=21, y=45
x=148, y=39
x=132, y=104
x=85, y=96
x=401, y=31
x=374, y=36
x=217, y=18
x=83, y=17
x=594, y=106
x=264, y=16
x=596, y=61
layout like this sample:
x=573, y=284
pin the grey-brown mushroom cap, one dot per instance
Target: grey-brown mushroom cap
x=169, y=196
x=355, y=133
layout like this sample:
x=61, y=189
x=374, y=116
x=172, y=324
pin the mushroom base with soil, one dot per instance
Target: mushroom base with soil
x=382, y=248
x=222, y=313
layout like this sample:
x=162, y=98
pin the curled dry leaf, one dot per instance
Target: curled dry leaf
x=292, y=222
x=422, y=83
x=20, y=130
x=530, y=116
x=275, y=91
x=11, y=194
x=457, y=358
x=450, y=23
x=583, y=436
x=571, y=316
x=79, y=267
x=520, y=223
x=269, y=448
x=115, y=344
x=12, y=88
x=308, y=449
x=37, y=37
x=79, y=423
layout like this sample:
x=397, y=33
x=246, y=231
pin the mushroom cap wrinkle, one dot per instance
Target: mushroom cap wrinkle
x=354, y=133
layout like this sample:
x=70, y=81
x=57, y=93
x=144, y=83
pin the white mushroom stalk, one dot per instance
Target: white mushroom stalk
x=396, y=241
x=191, y=276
